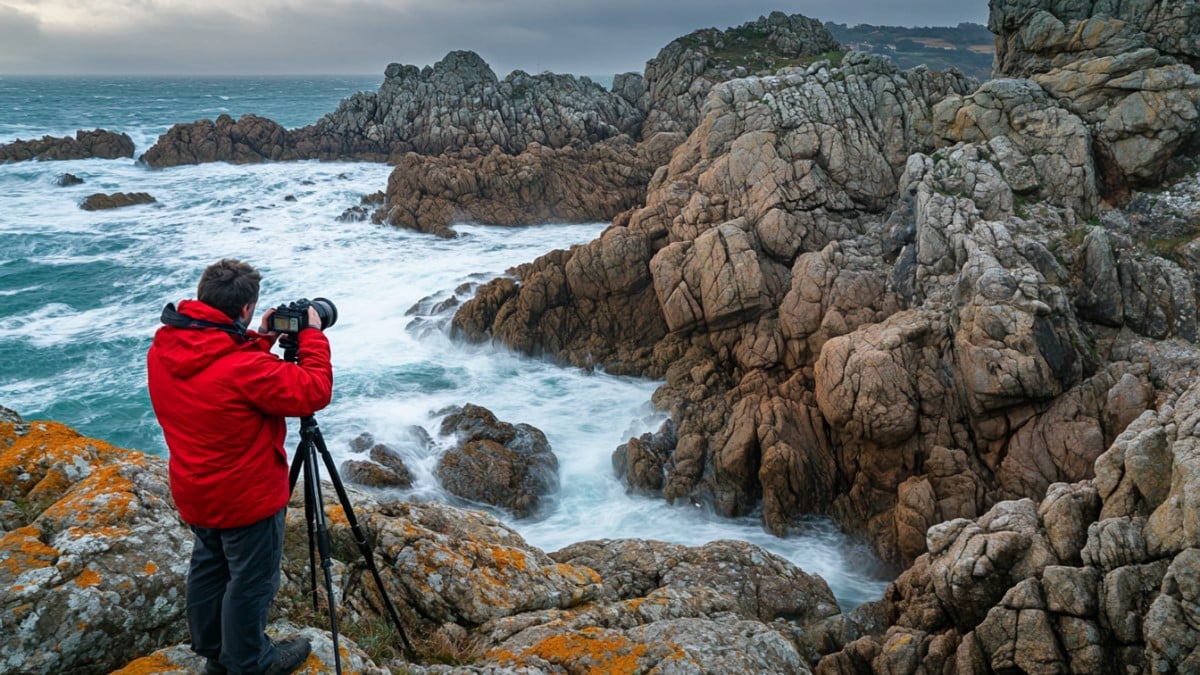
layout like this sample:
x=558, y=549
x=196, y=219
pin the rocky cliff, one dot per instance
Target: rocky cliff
x=93, y=558
x=897, y=298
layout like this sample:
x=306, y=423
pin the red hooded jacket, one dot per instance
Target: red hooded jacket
x=221, y=400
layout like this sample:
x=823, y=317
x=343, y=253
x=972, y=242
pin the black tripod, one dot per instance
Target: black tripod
x=311, y=442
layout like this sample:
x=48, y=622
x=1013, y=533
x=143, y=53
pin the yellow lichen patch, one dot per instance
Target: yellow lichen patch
x=49, y=445
x=147, y=665
x=904, y=640
x=509, y=557
x=592, y=651
x=87, y=578
x=21, y=610
x=21, y=550
x=151, y=568
x=110, y=531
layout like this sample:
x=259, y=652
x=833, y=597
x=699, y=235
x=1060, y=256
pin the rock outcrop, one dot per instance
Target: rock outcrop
x=98, y=143
x=92, y=552
x=891, y=297
x=92, y=560
x=494, y=462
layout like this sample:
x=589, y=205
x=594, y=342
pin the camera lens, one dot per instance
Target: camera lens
x=326, y=310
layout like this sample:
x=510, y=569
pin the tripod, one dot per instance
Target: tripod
x=305, y=461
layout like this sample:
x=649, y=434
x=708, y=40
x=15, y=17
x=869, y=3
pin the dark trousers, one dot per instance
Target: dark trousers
x=233, y=579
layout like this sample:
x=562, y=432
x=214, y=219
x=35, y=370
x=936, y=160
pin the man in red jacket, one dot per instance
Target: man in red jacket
x=221, y=397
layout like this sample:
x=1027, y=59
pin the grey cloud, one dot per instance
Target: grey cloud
x=363, y=36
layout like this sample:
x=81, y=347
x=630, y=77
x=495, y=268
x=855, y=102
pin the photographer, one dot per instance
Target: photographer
x=221, y=397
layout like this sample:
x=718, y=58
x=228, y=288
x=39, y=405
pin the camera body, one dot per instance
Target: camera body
x=293, y=317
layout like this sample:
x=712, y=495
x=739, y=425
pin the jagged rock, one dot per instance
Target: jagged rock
x=68, y=179
x=641, y=462
x=496, y=462
x=1099, y=578
x=98, y=143
x=116, y=200
x=92, y=566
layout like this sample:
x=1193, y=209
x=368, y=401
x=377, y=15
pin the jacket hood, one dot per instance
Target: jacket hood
x=194, y=336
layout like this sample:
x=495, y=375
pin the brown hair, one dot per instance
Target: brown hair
x=229, y=285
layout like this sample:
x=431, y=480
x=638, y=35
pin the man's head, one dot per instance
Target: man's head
x=231, y=286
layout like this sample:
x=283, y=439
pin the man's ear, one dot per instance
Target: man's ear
x=247, y=313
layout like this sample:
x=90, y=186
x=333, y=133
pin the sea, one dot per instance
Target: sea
x=81, y=293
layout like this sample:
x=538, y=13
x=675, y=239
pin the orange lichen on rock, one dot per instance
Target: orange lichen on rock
x=22, y=550
x=87, y=578
x=509, y=557
x=33, y=466
x=151, y=568
x=155, y=663
x=592, y=651
x=102, y=499
x=578, y=574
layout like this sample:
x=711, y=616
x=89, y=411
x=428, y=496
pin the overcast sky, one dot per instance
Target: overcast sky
x=582, y=37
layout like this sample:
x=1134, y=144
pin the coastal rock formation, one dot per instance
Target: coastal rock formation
x=497, y=463
x=1097, y=577
x=889, y=297
x=456, y=104
x=542, y=184
x=94, y=581
x=101, y=201
x=98, y=143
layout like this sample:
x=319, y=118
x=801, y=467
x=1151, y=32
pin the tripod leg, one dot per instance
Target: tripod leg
x=304, y=456
x=359, y=538
x=313, y=481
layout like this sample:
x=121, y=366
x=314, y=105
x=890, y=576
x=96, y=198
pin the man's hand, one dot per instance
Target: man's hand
x=314, y=319
x=263, y=327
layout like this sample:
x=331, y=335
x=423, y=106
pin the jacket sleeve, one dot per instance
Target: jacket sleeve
x=277, y=387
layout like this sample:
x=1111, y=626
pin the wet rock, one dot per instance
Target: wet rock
x=250, y=139
x=116, y=200
x=384, y=469
x=98, y=143
x=68, y=179
x=497, y=463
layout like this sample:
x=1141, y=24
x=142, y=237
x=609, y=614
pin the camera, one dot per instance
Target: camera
x=293, y=317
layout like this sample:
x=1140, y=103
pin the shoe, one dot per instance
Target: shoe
x=289, y=654
x=214, y=667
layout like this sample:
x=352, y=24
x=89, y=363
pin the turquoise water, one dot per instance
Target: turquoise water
x=80, y=295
